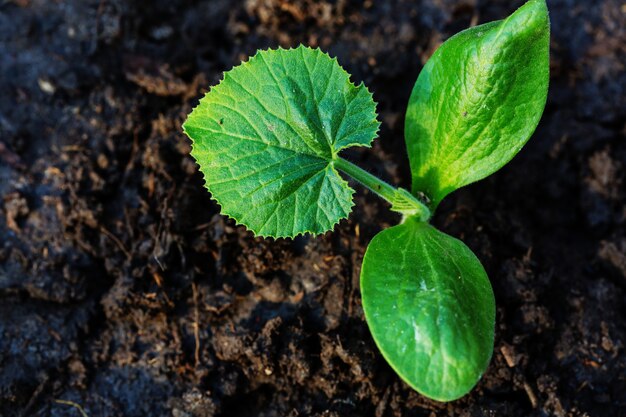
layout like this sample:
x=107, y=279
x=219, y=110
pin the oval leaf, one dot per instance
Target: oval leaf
x=266, y=138
x=430, y=307
x=478, y=100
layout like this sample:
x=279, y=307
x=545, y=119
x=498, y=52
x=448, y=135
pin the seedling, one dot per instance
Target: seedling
x=268, y=140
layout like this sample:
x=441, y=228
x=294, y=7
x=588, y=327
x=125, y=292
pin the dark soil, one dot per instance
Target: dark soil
x=124, y=292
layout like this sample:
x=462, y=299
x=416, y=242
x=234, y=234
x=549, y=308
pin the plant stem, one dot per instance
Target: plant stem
x=370, y=181
x=401, y=200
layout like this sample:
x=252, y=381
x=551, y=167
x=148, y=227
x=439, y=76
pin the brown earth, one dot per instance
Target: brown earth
x=124, y=292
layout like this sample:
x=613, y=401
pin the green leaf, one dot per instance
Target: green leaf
x=430, y=307
x=477, y=101
x=267, y=136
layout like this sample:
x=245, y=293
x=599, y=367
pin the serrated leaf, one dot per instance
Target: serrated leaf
x=477, y=101
x=266, y=138
x=430, y=308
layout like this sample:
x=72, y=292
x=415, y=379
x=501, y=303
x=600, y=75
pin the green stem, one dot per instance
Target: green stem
x=375, y=184
x=401, y=200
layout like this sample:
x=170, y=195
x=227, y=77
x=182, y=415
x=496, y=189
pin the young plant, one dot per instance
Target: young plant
x=268, y=139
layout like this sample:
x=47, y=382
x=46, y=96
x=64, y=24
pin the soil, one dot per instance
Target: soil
x=124, y=292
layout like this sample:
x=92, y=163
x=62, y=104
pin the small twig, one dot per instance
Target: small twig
x=73, y=404
x=158, y=261
x=159, y=282
x=531, y=395
x=34, y=397
x=509, y=355
x=117, y=241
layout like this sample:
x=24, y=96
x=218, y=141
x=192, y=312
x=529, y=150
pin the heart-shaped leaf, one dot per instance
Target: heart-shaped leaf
x=430, y=307
x=478, y=100
x=266, y=138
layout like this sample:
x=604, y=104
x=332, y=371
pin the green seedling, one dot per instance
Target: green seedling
x=268, y=140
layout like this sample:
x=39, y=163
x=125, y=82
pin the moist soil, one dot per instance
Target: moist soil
x=124, y=292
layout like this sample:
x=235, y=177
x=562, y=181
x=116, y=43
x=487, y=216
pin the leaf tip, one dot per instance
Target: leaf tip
x=532, y=15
